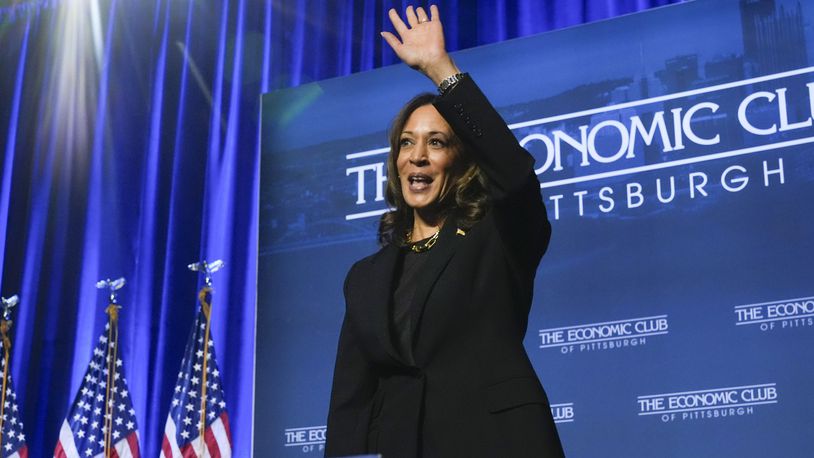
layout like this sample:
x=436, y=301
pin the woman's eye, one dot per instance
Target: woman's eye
x=437, y=142
x=404, y=142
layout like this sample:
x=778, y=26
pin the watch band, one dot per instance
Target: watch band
x=450, y=81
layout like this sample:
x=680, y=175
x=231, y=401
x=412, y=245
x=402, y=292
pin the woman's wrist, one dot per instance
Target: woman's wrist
x=441, y=70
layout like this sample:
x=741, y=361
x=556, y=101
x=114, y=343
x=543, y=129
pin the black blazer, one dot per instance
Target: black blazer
x=468, y=388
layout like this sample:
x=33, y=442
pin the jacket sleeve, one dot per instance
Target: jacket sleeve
x=519, y=212
x=354, y=384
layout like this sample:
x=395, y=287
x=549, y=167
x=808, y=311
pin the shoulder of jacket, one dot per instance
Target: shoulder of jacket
x=483, y=227
x=358, y=267
x=369, y=259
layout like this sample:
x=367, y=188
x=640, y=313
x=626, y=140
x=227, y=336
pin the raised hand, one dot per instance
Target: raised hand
x=421, y=43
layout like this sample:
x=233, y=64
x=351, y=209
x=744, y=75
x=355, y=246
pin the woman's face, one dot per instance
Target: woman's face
x=425, y=157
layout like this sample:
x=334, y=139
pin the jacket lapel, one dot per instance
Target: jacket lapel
x=439, y=257
x=377, y=302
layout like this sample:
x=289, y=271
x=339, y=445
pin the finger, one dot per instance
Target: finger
x=421, y=14
x=398, y=24
x=392, y=41
x=434, y=12
x=411, y=17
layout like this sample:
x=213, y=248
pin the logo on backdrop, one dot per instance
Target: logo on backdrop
x=308, y=438
x=563, y=413
x=600, y=151
x=631, y=332
x=769, y=316
x=708, y=404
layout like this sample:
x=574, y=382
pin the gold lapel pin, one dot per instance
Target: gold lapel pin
x=460, y=232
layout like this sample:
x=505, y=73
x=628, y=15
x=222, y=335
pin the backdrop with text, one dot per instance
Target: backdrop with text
x=674, y=151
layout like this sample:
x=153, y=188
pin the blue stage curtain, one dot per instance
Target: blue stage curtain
x=130, y=147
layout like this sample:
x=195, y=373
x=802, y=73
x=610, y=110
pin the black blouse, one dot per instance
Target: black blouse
x=405, y=282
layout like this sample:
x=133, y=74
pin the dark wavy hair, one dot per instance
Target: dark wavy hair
x=465, y=198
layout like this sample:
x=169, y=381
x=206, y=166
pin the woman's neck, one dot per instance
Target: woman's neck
x=425, y=224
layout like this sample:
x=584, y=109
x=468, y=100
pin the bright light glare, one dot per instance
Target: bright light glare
x=77, y=49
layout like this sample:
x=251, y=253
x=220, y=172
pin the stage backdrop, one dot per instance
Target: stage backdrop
x=129, y=145
x=674, y=311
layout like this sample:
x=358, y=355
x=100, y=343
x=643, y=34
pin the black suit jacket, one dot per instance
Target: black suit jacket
x=468, y=388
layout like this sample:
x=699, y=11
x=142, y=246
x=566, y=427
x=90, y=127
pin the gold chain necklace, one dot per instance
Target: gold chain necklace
x=422, y=247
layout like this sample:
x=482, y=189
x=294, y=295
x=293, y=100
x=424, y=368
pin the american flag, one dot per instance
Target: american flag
x=199, y=378
x=12, y=438
x=84, y=431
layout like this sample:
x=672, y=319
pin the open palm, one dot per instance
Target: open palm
x=421, y=42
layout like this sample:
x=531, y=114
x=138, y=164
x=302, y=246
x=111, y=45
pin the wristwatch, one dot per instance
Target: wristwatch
x=450, y=81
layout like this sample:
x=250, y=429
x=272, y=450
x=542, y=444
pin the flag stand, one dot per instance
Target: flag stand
x=205, y=298
x=112, y=312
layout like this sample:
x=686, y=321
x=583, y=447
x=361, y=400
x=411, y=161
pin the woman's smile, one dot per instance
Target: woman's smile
x=419, y=182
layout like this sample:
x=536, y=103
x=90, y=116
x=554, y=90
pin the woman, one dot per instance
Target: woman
x=431, y=360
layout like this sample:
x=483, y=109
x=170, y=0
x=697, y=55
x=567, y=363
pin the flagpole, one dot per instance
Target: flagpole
x=5, y=327
x=112, y=350
x=112, y=312
x=206, y=308
x=205, y=298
